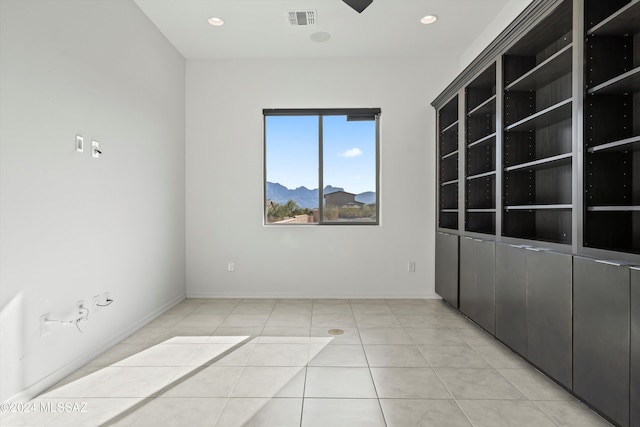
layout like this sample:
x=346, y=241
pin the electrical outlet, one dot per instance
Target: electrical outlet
x=44, y=327
x=411, y=267
x=80, y=306
x=231, y=266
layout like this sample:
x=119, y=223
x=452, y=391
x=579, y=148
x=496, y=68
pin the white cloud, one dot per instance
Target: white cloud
x=354, y=152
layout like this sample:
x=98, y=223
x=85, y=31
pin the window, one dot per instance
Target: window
x=335, y=150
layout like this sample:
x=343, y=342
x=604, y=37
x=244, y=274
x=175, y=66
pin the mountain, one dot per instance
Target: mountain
x=366, y=197
x=306, y=198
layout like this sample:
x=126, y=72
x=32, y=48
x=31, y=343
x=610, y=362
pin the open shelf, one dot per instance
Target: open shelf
x=481, y=175
x=448, y=220
x=487, y=107
x=627, y=144
x=624, y=83
x=453, y=153
x=481, y=221
x=451, y=127
x=481, y=193
x=449, y=170
x=544, y=73
x=449, y=197
x=448, y=115
x=546, y=117
x=549, y=162
x=481, y=91
x=614, y=230
x=545, y=225
x=480, y=171
x=625, y=20
x=612, y=126
x=537, y=140
x=484, y=139
x=538, y=207
x=613, y=208
x=448, y=164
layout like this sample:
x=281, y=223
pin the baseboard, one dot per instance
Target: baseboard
x=309, y=296
x=51, y=379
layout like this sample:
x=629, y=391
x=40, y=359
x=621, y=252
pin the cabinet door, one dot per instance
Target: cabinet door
x=549, y=320
x=447, y=267
x=468, y=295
x=477, y=282
x=601, y=336
x=635, y=346
x=511, y=320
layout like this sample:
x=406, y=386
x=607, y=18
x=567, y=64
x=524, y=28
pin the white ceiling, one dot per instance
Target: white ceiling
x=260, y=28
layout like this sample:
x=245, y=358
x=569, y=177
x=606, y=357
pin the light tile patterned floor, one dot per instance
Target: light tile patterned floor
x=259, y=362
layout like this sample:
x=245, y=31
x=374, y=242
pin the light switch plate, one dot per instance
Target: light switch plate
x=79, y=144
x=95, y=149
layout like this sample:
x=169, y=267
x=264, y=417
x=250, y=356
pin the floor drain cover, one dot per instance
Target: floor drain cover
x=336, y=332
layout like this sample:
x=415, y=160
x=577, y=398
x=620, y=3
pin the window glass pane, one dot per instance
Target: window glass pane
x=291, y=150
x=349, y=170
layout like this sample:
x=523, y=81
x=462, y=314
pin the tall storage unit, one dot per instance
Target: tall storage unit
x=612, y=125
x=480, y=158
x=538, y=128
x=539, y=155
x=448, y=165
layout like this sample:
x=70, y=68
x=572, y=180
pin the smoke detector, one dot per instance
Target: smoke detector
x=302, y=18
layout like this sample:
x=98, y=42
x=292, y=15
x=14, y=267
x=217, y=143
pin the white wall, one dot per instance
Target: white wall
x=225, y=99
x=72, y=226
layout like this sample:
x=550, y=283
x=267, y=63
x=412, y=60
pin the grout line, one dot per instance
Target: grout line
x=371, y=373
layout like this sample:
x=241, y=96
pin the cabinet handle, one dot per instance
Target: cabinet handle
x=601, y=261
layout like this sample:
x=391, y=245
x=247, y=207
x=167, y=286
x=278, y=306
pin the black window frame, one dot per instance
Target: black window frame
x=352, y=114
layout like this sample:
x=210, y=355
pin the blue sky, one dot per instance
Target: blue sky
x=349, y=152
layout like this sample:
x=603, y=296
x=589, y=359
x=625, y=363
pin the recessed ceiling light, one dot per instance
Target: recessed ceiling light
x=429, y=19
x=215, y=21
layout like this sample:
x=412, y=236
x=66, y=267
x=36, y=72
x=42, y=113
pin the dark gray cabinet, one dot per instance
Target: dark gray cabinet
x=549, y=309
x=447, y=267
x=477, y=282
x=511, y=297
x=539, y=144
x=534, y=307
x=635, y=347
x=601, y=331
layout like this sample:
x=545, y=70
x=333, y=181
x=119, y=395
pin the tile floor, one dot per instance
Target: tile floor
x=222, y=362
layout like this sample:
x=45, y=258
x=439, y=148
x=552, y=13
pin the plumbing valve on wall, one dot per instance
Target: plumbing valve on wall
x=99, y=302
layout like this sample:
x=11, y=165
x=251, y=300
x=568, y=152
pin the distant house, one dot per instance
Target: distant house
x=341, y=198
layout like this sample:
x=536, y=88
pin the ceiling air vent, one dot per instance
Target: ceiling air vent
x=302, y=18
